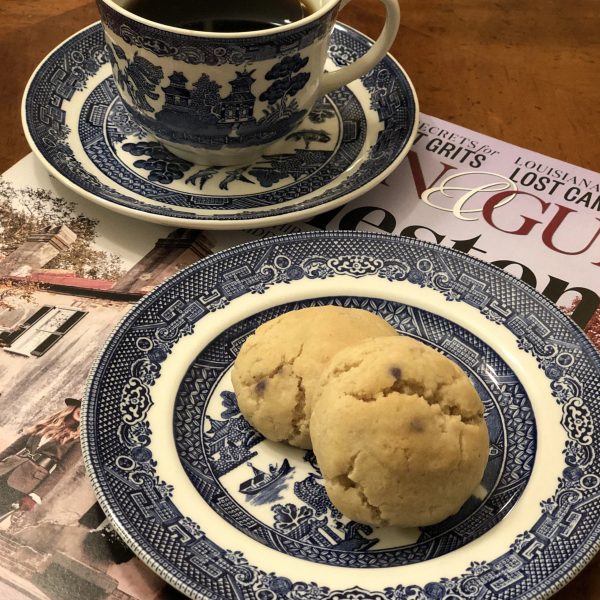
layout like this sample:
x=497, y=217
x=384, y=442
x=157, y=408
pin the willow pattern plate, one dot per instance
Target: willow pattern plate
x=219, y=512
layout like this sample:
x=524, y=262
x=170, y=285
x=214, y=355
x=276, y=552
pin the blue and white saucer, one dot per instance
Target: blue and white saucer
x=220, y=512
x=352, y=139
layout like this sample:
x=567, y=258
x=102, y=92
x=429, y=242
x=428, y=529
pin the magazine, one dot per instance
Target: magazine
x=70, y=269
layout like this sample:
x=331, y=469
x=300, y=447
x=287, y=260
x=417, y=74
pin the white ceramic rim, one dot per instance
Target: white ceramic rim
x=220, y=35
x=199, y=223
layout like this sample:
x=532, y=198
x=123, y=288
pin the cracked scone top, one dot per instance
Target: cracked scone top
x=276, y=373
x=399, y=434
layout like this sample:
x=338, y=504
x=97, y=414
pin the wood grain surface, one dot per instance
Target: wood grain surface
x=527, y=72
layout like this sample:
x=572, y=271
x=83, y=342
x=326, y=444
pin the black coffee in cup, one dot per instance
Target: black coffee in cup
x=223, y=16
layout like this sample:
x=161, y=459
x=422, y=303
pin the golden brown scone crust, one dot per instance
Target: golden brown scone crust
x=398, y=432
x=276, y=373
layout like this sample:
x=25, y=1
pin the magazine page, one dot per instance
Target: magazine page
x=536, y=217
x=70, y=270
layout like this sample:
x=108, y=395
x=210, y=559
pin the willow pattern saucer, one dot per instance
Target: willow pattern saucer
x=221, y=513
x=352, y=139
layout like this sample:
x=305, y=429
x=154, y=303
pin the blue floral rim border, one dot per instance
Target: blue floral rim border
x=44, y=123
x=561, y=349
x=162, y=42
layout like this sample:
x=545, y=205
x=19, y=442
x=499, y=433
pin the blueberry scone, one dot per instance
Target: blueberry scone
x=276, y=373
x=398, y=432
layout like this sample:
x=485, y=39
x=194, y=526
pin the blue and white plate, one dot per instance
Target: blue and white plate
x=220, y=512
x=352, y=139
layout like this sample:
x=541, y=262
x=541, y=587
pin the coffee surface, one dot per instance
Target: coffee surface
x=224, y=16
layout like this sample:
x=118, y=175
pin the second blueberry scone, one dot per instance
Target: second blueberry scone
x=276, y=373
x=398, y=432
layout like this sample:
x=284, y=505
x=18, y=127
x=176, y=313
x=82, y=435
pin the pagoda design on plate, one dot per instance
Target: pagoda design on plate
x=203, y=114
x=229, y=443
x=204, y=106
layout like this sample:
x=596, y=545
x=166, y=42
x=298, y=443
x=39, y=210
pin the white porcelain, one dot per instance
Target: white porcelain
x=224, y=98
x=350, y=141
x=219, y=511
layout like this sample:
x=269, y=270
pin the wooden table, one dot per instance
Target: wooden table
x=525, y=72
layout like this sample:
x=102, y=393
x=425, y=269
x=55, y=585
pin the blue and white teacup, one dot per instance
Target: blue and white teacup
x=223, y=98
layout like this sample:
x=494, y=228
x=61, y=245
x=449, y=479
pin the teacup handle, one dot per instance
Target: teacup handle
x=336, y=79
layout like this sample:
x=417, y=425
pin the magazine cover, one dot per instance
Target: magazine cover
x=70, y=270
